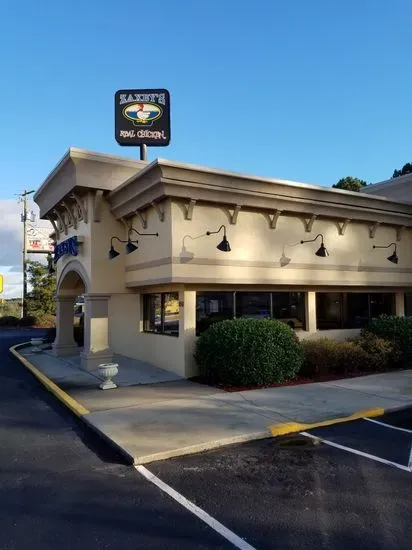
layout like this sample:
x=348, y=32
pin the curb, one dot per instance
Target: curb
x=273, y=430
x=53, y=388
x=293, y=427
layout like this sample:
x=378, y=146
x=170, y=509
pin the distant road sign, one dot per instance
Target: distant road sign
x=1, y=283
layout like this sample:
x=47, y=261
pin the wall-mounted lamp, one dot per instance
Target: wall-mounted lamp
x=223, y=246
x=321, y=251
x=131, y=245
x=394, y=256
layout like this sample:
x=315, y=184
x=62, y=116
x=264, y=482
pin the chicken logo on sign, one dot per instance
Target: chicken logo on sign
x=142, y=114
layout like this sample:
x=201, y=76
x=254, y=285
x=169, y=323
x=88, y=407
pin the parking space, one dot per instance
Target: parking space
x=347, y=486
x=370, y=438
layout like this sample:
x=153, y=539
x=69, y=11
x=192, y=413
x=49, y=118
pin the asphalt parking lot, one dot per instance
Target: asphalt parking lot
x=338, y=487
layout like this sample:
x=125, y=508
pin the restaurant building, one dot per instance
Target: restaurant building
x=160, y=250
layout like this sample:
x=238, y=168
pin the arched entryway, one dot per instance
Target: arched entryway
x=73, y=281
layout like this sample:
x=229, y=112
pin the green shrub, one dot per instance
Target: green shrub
x=206, y=322
x=325, y=356
x=45, y=320
x=382, y=353
x=248, y=352
x=9, y=321
x=397, y=330
x=28, y=321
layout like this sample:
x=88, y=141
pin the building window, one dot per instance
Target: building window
x=288, y=307
x=161, y=313
x=212, y=307
x=253, y=305
x=408, y=304
x=337, y=310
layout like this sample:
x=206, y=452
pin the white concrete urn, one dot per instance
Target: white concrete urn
x=36, y=343
x=107, y=371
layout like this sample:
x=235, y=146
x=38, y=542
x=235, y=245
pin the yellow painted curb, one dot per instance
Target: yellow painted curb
x=71, y=403
x=292, y=427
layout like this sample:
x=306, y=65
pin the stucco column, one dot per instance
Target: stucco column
x=187, y=329
x=96, y=348
x=400, y=304
x=310, y=311
x=64, y=344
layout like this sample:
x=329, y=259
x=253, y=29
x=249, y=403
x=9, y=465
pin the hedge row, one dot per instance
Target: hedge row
x=28, y=321
x=243, y=352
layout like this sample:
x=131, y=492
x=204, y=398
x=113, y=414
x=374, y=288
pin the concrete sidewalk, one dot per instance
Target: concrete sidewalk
x=171, y=416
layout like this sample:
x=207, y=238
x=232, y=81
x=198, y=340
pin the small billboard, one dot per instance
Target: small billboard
x=1, y=283
x=142, y=117
x=38, y=240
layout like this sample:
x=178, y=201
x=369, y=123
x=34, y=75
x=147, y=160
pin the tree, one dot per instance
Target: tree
x=406, y=169
x=41, y=300
x=350, y=184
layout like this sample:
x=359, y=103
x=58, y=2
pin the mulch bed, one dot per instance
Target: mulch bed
x=296, y=382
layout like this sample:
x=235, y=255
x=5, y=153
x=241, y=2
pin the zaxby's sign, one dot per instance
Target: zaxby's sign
x=142, y=117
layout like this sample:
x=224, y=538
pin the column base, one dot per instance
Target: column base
x=90, y=361
x=64, y=350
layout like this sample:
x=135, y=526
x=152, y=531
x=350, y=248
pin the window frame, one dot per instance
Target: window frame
x=147, y=302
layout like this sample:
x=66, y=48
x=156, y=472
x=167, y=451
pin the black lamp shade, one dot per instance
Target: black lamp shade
x=130, y=247
x=393, y=258
x=224, y=246
x=322, y=252
x=113, y=253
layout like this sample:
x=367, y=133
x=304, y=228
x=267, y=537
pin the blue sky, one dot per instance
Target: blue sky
x=304, y=90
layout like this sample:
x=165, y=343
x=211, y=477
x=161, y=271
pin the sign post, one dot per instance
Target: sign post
x=142, y=118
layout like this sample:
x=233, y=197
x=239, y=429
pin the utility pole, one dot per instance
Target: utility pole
x=23, y=198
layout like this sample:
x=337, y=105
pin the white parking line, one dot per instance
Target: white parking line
x=360, y=453
x=201, y=514
x=388, y=425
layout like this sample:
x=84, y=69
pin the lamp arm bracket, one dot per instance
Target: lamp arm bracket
x=372, y=229
x=309, y=223
x=189, y=206
x=233, y=214
x=342, y=226
x=160, y=211
x=143, y=218
x=273, y=218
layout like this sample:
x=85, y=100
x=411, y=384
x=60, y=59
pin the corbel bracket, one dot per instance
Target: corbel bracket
x=61, y=221
x=233, y=214
x=372, y=229
x=342, y=226
x=81, y=206
x=309, y=223
x=399, y=232
x=189, y=209
x=54, y=224
x=273, y=218
x=71, y=217
x=97, y=205
x=143, y=218
x=160, y=211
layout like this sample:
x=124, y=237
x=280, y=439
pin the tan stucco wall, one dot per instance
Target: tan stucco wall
x=257, y=250
x=127, y=336
x=151, y=262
